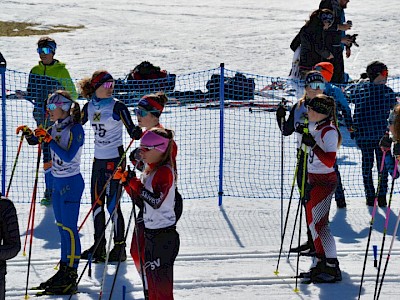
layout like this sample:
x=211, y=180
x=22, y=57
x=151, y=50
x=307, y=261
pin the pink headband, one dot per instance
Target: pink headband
x=152, y=139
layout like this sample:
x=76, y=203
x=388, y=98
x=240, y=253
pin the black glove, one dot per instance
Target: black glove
x=300, y=128
x=280, y=112
x=135, y=155
x=386, y=142
x=396, y=149
x=308, y=140
x=136, y=133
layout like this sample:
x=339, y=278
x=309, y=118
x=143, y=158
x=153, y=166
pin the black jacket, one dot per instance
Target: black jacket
x=10, y=243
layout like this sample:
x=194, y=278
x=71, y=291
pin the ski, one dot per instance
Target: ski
x=44, y=293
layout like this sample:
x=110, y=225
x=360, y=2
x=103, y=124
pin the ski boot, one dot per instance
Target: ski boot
x=118, y=253
x=65, y=284
x=99, y=255
x=52, y=279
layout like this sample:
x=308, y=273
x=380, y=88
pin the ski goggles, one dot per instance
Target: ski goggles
x=140, y=112
x=317, y=85
x=44, y=50
x=151, y=140
x=58, y=100
x=108, y=85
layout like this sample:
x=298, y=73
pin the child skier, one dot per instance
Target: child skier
x=155, y=192
x=65, y=139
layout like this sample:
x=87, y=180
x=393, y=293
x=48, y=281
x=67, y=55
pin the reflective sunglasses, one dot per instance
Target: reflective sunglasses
x=385, y=73
x=53, y=106
x=44, y=50
x=108, y=85
x=142, y=112
x=317, y=85
x=148, y=148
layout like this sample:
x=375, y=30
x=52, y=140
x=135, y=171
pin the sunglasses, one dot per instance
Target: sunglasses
x=317, y=85
x=53, y=106
x=142, y=112
x=44, y=50
x=108, y=85
x=148, y=148
x=327, y=18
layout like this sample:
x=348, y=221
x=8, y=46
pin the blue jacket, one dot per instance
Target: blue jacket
x=373, y=103
x=341, y=102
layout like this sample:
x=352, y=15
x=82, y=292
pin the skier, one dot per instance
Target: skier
x=323, y=140
x=148, y=113
x=10, y=243
x=326, y=69
x=107, y=116
x=297, y=121
x=155, y=192
x=65, y=139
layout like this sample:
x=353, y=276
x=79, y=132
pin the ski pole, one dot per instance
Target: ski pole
x=32, y=212
x=282, y=229
x=106, y=262
x=287, y=214
x=96, y=246
x=372, y=221
x=389, y=253
x=385, y=230
x=119, y=261
x=106, y=184
x=302, y=195
x=15, y=164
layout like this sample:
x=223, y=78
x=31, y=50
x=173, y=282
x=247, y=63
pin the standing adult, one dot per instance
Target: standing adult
x=313, y=47
x=373, y=101
x=45, y=78
x=335, y=36
x=10, y=243
x=107, y=116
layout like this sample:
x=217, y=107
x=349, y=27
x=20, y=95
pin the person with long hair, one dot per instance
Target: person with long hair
x=107, y=116
x=65, y=139
x=323, y=141
x=155, y=192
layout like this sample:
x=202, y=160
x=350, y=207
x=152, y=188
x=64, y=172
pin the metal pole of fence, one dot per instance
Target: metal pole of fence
x=221, y=135
x=3, y=65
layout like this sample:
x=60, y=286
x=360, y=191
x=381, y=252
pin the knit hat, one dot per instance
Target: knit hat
x=151, y=106
x=99, y=79
x=47, y=42
x=374, y=69
x=313, y=76
x=326, y=69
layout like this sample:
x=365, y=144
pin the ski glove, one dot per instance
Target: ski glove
x=124, y=176
x=136, y=133
x=281, y=112
x=386, y=142
x=26, y=131
x=134, y=188
x=136, y=159
x=308, y=140
x=300, y=128
x=41, y=133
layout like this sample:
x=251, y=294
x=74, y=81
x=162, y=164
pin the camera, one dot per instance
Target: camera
x=350, y=23
x=353, y=39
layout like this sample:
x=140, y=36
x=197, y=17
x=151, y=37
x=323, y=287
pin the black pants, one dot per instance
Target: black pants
x=161, y=250
x=338, y=65
x=101, y=171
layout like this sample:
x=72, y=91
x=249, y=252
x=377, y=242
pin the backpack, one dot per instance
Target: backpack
x=146, y=70
x=178, y=205
x=238, y=87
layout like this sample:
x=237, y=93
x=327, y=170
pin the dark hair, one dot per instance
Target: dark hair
x=330, y=102
x=315, y=15
x=46, y=41
x=374, y=69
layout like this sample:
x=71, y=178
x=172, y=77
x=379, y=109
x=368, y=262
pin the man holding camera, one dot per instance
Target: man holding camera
x=336, y=39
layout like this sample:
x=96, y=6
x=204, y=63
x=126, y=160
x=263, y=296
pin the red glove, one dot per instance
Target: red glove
x=41, y=133
x=134, y=187
x=25, y=130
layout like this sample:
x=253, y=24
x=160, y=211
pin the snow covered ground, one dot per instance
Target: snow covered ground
x=227, y=252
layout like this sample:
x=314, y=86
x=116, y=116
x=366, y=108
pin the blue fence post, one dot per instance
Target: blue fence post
x=3, y=65
x=221, y=134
